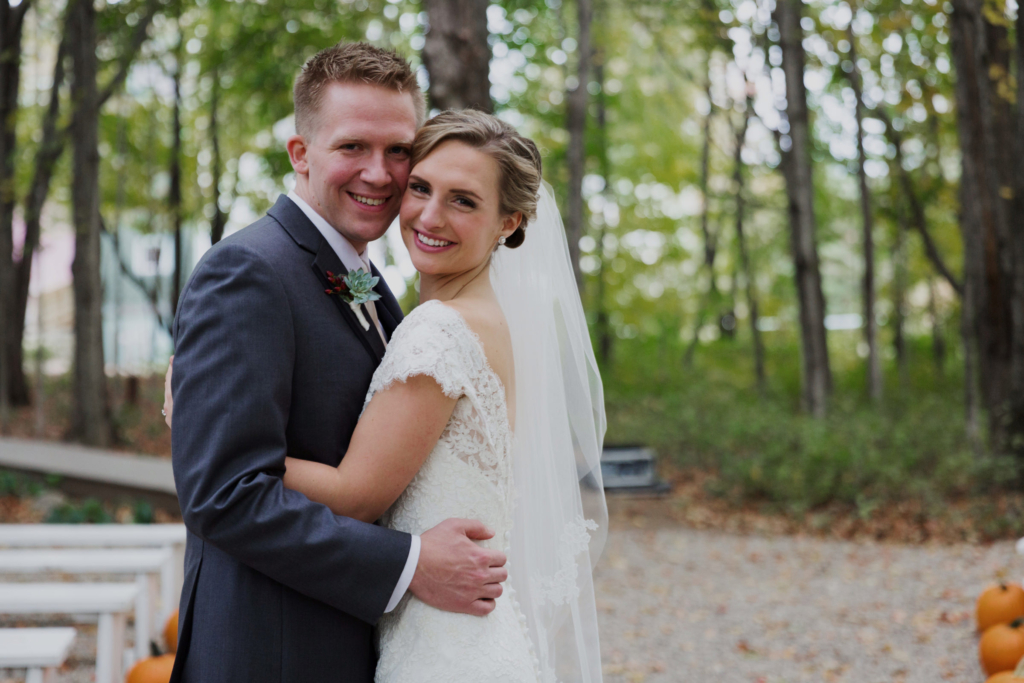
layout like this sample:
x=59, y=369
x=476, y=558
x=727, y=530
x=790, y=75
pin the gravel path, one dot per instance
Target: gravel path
x=684, y=605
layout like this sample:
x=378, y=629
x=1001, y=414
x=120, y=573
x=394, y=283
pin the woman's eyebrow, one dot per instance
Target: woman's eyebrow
x=469, y=192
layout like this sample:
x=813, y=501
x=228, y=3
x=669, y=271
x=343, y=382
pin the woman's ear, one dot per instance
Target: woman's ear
x=511, y=223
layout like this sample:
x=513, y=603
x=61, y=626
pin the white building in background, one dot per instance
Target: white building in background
x=136, y=269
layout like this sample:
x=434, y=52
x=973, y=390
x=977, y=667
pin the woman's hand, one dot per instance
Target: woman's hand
x=168, y=399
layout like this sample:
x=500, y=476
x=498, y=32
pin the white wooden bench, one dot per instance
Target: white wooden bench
x=40, y=650
x=170, y=536
x=110, y=602
x=147, y=565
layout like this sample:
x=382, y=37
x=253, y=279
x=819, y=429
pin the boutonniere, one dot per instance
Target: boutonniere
x=354, y=289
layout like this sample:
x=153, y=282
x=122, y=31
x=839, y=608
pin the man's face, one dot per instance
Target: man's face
x=354, y=168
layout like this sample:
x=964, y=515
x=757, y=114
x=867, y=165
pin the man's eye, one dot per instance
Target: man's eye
x=349, y=146
x=400, y=151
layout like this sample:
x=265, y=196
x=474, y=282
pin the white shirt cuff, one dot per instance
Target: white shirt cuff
x=406, y=578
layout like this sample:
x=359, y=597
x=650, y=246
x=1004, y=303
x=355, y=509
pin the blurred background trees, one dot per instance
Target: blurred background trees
x=798, y=226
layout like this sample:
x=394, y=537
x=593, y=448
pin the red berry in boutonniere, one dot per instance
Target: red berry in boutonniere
x=354, y=289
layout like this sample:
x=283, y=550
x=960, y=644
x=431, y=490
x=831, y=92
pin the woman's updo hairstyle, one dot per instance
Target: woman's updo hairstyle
x=519, y=165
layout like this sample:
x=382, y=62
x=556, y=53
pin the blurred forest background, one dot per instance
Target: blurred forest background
x=799, y=226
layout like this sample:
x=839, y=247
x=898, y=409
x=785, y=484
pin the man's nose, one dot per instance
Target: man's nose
x=375, y=172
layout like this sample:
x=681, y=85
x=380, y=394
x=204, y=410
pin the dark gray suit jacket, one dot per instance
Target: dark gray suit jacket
x=267, y=365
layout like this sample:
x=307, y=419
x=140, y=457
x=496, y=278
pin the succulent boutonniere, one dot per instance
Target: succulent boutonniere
x=354, y=289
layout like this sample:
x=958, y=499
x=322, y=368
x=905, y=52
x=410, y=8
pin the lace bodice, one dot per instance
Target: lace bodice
x=467, y=475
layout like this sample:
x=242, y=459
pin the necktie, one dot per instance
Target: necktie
x=370, y=306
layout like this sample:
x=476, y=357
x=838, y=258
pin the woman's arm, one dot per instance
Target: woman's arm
x=393, y=438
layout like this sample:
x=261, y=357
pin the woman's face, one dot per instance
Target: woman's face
x=450, y=214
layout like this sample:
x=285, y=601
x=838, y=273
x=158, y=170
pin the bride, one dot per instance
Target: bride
x=487, y=405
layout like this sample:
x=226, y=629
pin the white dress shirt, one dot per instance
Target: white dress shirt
x=353, y=260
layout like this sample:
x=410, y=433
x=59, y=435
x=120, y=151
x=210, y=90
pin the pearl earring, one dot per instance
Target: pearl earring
x=501, y=240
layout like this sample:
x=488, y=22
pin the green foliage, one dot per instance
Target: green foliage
x=89, y=511
x=764, y=450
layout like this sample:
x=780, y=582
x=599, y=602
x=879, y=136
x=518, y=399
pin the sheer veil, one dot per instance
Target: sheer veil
x=560, y=517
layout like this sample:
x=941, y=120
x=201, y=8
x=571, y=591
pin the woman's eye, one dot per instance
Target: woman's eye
x=465, y=202
x=416, y=187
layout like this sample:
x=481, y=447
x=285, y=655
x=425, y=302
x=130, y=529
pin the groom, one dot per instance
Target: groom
x=277, y=588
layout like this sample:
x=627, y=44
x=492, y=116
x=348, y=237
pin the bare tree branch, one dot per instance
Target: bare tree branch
x=917, y=215
x=151, y=294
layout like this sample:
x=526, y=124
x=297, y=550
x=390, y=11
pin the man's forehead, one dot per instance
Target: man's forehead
x=354, y=103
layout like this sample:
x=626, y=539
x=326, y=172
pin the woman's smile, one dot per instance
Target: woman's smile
x=431, y=244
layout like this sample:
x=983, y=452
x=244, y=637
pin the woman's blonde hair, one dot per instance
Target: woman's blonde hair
x=519, y=165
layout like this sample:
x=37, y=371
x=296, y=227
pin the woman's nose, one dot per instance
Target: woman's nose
x=432, y=216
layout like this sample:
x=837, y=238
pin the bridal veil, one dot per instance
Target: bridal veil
x=560, y=517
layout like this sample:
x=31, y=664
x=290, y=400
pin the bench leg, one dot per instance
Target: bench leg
x=170, y=593
x=104, y=649
x=143, y=616
x=109, y=648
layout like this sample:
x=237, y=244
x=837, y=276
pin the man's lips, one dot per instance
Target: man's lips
x=368, y=201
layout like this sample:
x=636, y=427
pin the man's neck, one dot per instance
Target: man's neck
x=303, y=192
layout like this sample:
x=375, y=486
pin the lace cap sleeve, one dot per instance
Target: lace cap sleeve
x=432, y=340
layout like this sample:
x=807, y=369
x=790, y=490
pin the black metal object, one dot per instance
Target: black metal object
x=631, y=469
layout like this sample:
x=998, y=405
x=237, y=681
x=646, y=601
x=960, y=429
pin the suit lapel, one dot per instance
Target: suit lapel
x=326, y=260
x=305, y=234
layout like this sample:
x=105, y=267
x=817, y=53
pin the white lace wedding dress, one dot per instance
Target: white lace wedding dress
x=467, y=475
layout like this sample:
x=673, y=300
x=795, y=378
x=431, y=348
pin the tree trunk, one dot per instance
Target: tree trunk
x=874, y=369
x=1015, y=428
x=604, y=333
x=90, y=412
x=12, y=377
x=217, y=223
x=457, y=55
x=938, y=338
x=47, y=155
x=980, y=54
x=174, y=193
x=710, y=243
x=816, y=376
x=899, y=291
x=741, y=241
x=576, y=124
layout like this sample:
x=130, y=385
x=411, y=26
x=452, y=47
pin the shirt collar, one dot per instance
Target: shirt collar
x=350, y=258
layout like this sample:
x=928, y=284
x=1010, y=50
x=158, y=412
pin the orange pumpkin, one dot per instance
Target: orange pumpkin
x=171, y=632
x=1016, y=676
x=1000, y=605
x=1002, y=647
x=152, y=670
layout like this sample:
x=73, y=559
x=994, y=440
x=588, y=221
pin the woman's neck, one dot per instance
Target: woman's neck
x=448, y=286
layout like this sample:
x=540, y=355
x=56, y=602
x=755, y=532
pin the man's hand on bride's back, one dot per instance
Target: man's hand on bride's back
x=455, y=574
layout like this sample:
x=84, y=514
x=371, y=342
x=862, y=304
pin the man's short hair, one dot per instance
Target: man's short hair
x=351, y=63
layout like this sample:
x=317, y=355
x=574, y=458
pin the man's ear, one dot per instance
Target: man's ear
x=296, y=146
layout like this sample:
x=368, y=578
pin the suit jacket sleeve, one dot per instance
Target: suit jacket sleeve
x=232, y=384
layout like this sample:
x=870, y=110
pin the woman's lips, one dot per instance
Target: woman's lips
x=436, y=246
